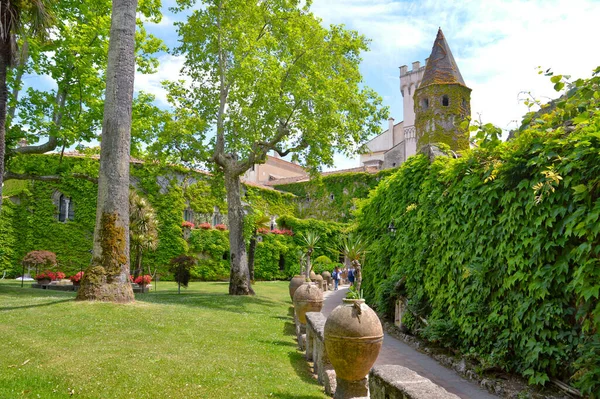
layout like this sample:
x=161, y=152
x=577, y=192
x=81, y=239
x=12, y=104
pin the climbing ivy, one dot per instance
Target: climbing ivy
x=31, y=222
x=500, y=250
x=332, y=197
x=436, y=123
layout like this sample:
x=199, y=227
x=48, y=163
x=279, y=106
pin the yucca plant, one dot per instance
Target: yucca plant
x=309, y=241
x=354, y=248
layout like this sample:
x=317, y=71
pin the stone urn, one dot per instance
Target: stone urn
x=353, y=337
x=307, y=298
x=319, y=281
x=326, y=276
x=312, y=276
x=296, y=282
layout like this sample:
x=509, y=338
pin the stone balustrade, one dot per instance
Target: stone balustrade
x=385, y=382
x=397, y=382
x=315, y=351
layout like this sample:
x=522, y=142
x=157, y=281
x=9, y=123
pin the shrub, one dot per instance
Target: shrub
x=180, y=266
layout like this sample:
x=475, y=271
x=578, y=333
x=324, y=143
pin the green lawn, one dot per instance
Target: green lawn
x=200, y=344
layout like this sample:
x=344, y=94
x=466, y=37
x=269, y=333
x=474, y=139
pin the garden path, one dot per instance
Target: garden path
x=397, y=352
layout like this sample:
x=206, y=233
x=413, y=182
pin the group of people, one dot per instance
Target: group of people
x=338, y=274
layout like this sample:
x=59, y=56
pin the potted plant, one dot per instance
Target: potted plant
x=45, y=277
x=308, y=297
x=76, y=279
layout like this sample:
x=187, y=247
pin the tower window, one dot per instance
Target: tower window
x=425, y=103
x=445, y=100
x=464, y=103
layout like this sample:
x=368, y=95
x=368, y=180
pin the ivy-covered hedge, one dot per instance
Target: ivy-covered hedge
x=276, y=256
x=333, y=197
x=499, y=251
x=330, y=234
x=31, y=222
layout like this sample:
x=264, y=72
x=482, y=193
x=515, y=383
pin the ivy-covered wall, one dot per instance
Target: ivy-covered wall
x=499, y=251
x=333, y=197
x=31, y=223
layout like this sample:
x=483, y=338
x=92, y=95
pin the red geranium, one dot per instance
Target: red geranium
x=282, y=232
x=131, y=278
x=221, y=227
x=205, y=226
x=263, y=230
x=60, y=275
x=145, y=279
x=187, y=224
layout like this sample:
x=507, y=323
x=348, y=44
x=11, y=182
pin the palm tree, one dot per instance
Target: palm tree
x=18, y=19
x=309, y=241
x=143, y=231
x=354, y=248
x=107, y=279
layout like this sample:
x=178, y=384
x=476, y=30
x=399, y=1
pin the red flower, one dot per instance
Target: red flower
x=46, y=275
x=221, y=227
x=77, y=277
x=131, y=278
x=187, y=224
x=205, y=226
x=146, y=279
x=60, y=275
x=263, y=230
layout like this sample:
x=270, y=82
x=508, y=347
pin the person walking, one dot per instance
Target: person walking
x=351, y=276
x=336, y=277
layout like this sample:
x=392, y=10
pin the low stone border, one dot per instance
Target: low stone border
x=397, y=382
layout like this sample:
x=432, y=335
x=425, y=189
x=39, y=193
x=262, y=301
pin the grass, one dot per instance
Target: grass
x=202, y=343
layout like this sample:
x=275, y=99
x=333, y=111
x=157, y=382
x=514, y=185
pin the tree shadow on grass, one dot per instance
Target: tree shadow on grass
x=217, y=301
x=8, y=308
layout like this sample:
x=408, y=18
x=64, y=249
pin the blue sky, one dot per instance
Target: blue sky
x=498, y=46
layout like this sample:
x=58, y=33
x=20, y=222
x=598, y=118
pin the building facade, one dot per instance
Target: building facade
x=435, y=102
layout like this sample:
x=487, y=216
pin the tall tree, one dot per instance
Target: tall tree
x=267, y=76
x=24, y=18
x=43, y=118
x=107, y=279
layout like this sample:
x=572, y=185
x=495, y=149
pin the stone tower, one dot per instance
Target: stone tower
x=442, y=101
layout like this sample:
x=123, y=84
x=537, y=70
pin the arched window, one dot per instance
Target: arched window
x=445, y=100
x=216, y=218
x=65, y=209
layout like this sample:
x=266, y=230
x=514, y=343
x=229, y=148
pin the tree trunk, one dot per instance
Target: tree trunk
x=107, y=279
x=239, y=278
x=251, y=252
x=357, y=276
x=4, y=60
x=308, y=266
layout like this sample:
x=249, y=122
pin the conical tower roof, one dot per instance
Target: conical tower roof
x=441, y=67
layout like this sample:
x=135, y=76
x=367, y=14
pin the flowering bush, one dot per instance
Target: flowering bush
x=46, y=275
x=60, y=275
x=145, y=279
x=187, y=224
x=77, y=277
x=221, y=227
x=282, y=232
x=205, y=226
x=265, y=230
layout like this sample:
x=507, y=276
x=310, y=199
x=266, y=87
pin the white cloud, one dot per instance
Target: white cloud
x=169, y=69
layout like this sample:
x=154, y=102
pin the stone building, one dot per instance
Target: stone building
x=274, y=168
x=442, y=103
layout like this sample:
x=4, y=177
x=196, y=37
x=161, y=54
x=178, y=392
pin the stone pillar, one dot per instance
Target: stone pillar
x=351, y=389
x=315, y=323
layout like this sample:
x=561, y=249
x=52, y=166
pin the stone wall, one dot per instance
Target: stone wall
x=385, y=382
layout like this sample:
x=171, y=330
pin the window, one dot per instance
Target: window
x=331, y=197
x=394, y=165
x=188, y=215
x=464, y=103
x=425, y=103
x=216, y=217
x=65, y=209
x=445, y=100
